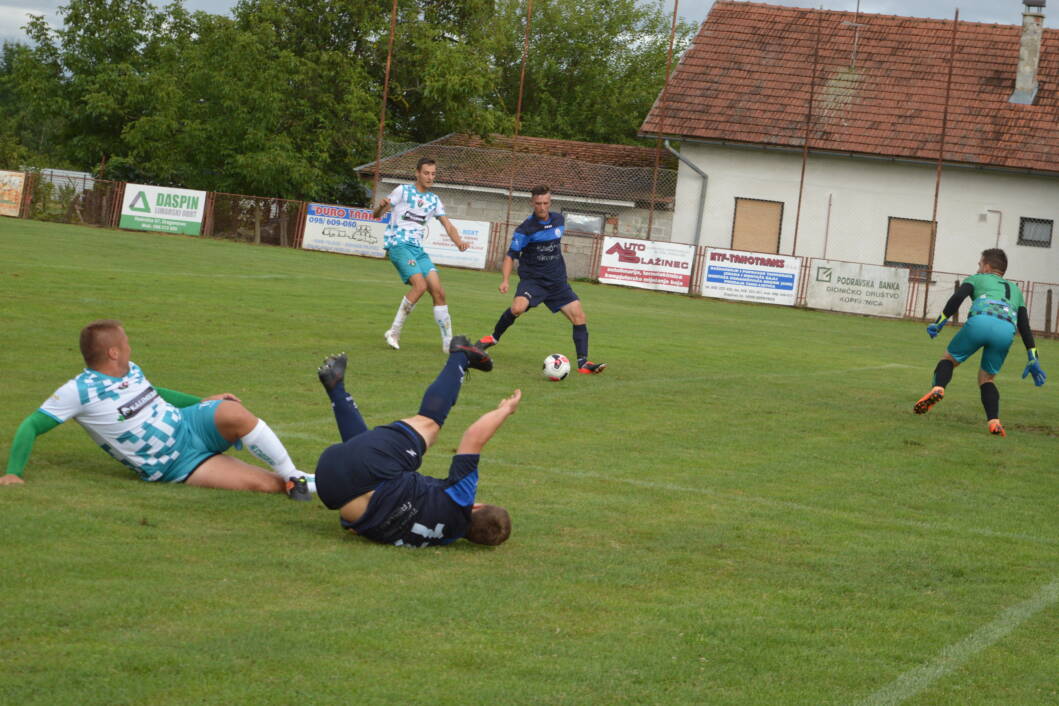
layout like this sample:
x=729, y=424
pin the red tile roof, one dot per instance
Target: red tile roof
x=595, y=152
x=586, y=169
x=747, y=78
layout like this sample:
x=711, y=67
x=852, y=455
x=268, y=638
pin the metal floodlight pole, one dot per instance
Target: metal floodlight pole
x=518, y=111
x=658, y=140
x=941, y=157
x=382, y=110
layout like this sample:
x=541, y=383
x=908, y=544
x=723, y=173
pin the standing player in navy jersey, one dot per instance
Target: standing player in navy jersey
x=542, y=277
x=371, y=477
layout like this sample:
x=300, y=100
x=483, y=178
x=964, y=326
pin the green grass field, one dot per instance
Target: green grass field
x=743, y=509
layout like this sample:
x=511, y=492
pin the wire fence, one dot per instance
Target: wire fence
x=600, y=189
x=253, y=219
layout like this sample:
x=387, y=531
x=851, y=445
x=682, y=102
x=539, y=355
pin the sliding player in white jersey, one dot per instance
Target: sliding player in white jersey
x=163, y=435
x=413, y=206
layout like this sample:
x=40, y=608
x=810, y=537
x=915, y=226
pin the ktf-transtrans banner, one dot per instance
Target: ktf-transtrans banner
x=751, y=276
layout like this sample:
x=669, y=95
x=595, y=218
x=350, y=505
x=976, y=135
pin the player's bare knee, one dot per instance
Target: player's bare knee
x=233, y=420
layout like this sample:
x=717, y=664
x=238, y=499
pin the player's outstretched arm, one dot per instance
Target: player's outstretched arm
x=1033, y=367
x=382, y=208
x=505, y=274
x=177, y=399
x=453, y=234
x=31, y=427
x=951, y=307
x=223, y=396
x=479, y=433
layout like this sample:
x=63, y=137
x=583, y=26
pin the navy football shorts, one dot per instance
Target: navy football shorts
x=555, y=297
x=358, y=465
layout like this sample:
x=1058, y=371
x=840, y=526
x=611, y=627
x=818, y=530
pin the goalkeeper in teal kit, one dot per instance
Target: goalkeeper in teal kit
x=997, y=311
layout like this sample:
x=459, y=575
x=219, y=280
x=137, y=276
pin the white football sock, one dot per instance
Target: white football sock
x=441, y=316
x=402, y=313
x=263, y=443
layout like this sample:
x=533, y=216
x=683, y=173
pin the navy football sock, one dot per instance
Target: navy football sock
x=442, y=393
x=943, y=372
x=503, y=323
x=581, y=343
x=991, y=401
x=347, y=416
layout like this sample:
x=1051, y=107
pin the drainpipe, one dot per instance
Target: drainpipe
x=999, y=221
x=702, y=189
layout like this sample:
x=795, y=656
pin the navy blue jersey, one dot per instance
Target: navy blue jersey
x=536, y=246
x=420, y=511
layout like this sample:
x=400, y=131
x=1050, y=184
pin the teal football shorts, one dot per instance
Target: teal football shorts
x=197, y=439
x=410, y=260
x=991, y=334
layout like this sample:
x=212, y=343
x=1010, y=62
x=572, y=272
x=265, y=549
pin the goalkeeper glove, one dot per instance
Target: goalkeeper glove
x=1034, y=368
x=935, y=328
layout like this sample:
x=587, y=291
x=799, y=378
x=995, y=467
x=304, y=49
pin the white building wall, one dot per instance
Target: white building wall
x=848, y=201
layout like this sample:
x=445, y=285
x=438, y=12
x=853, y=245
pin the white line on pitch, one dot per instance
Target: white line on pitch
x=957, y=654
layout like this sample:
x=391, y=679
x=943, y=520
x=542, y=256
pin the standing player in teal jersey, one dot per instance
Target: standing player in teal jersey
x=413, y=207
x=163, y=435
x=997, y=311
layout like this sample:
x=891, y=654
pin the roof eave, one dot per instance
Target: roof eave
x=851, y=153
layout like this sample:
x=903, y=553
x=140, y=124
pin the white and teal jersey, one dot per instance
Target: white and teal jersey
x=125, y=416
x=411, y=210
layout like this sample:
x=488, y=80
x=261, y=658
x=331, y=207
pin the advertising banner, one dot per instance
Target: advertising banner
x=857, y=288
x=160, y=208
x=751, y=277
x=444, y=252
x=351, y=231
x=646, y=264
x=11, y=184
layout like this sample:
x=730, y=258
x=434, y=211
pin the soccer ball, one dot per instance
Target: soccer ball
x=556, y=367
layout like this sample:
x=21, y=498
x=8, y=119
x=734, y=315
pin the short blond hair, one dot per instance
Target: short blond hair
x=97, y=337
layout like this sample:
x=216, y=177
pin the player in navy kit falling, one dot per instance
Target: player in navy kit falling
x=542, y=277
x=371, y=478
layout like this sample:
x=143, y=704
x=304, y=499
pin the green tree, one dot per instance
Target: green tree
x=88, y=79
x=594, y=68
x=237, y=112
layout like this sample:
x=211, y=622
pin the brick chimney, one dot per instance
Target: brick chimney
x=1029, y=52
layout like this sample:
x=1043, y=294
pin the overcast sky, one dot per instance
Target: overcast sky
x=13, y=12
